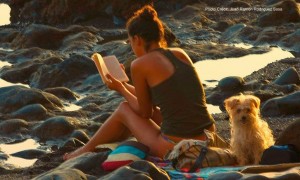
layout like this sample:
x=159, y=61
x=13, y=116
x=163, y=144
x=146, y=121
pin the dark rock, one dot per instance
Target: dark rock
x=291, y=42
x=289, y=76
x=231, y=83
x=55, y=127
x=30, y=153
x=102, y=118
x=289, y=104
x=8, y=34
x=232, y=33
x=21, y=72
x=238, y=4
x=12, y=126
x=31, y=112
x=16, y=97
x=86, y=162
x=62, y=174
x=222, y=25
x=67, y=12
x=290, y=135
x=287, y=12
x=82, y=41
x=22, y=55
x=80, y=135
x=47, y=37
x=72, y=143
x=62, y=92
x=64, y=74
x=282, y=174
x=138, y=170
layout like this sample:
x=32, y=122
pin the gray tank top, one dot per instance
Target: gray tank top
x=181, y=99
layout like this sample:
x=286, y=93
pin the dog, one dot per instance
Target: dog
x=250, y=135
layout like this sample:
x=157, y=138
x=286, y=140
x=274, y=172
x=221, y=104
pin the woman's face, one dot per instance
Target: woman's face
x=136, y=45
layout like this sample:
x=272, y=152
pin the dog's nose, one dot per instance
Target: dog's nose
x=244, y=119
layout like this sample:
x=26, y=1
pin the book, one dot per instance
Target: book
x=109, y=65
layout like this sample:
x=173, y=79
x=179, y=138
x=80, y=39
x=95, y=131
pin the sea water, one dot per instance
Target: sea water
x=4, y=14
x=13, y=148
x=211, y=71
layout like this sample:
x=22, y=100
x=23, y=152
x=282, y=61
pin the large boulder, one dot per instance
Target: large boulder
x=13, y=126
x=285, y=105
x=66, y=73
x=291, y=41
x=291, y=135
x=48, y=37
x=56, y=11
x=16, y=97
x=289, y=76
x=56, y=127
x=280, y=13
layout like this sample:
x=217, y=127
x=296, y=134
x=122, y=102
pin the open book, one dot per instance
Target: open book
x=109, y=65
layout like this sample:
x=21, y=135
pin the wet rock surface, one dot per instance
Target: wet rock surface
x=52, y=42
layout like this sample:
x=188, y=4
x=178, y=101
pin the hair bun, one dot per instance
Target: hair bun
x=148, y=13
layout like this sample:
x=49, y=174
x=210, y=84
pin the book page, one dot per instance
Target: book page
x=114, y=68
x=109, y=65
x=98, y=60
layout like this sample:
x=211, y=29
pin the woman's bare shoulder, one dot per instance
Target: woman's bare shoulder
x=181, y=54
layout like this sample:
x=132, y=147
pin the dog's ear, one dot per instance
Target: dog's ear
x=231, y=102
x=255, y=101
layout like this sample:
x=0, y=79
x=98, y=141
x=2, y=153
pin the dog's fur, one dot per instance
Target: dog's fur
x=250, y=135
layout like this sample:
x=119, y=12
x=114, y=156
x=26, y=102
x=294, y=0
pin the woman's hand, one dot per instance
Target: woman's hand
x=114, y=84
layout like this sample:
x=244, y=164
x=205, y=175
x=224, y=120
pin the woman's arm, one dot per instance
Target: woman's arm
x=118, y=86
x=142, y=90
x=130, y=88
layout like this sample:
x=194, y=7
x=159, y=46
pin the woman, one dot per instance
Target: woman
x=166, y=103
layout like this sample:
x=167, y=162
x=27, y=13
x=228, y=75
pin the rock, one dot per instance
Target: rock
x=285, y=105
x=21, y=72
x=29, y=153
x=12, y=126
x=55, y=12
x=290, y=135
x=31, y=112
x=8, y=34
x=55, y=127
x=63, y=93
x=138, y=170
x=231, y=83
x=288, y=173
x=86, y=162
x=66, y=73
x=16, y=97
x=232, y=33
x=238, y=4
x=48, y=37
x=82, y=41
x=291, y=41
x=287, y=12
x=80, y=135
x=62, y=174
x=289, y=76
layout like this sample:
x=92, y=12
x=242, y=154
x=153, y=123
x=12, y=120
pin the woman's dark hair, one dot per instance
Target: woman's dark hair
x=146, y=24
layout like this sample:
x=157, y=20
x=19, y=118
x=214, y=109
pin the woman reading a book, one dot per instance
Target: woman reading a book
x=166, y=103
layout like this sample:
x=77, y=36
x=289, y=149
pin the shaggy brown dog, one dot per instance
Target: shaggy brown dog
x=250, y=135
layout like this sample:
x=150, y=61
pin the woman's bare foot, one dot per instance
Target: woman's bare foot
x=75, y=153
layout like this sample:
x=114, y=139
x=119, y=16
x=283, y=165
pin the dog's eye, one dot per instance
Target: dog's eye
x=238, y=110
x=248, y=110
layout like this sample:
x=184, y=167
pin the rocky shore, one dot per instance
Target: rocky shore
x=49, y=45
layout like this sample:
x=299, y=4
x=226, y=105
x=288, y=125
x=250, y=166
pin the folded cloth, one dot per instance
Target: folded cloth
x=124, y=154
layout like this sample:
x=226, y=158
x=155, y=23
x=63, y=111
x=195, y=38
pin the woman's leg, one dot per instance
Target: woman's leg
x=122, y=121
